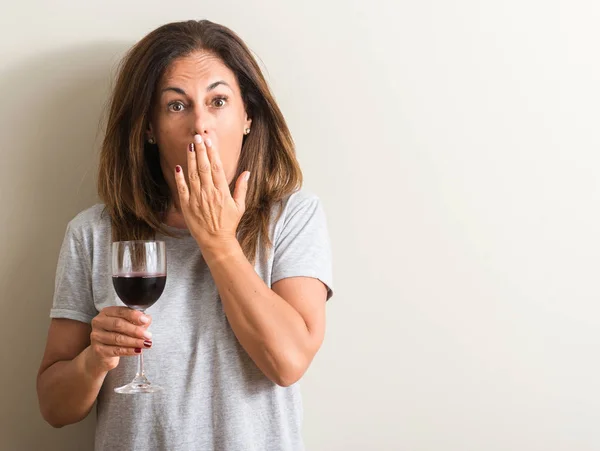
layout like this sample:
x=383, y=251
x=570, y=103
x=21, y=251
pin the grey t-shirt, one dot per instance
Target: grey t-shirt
x=214, y=397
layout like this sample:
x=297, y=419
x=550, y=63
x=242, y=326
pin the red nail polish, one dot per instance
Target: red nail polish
x=147, y=343
x=137, y=350
x=191, y=147
x=178, y=168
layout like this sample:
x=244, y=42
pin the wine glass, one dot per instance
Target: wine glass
x=139, y=274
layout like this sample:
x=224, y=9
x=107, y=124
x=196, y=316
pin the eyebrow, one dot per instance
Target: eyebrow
x=215, y=84
x=173, y=88
x=208, y=88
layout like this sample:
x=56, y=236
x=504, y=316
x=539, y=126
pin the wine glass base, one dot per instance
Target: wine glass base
x=138, y=385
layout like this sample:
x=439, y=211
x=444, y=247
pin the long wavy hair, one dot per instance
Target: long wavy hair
x=130, y=179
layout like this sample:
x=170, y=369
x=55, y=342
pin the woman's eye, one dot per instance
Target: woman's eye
x=176, y=107
x=219, y=102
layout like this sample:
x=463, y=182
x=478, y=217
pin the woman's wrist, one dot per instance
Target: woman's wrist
x=221, y=251
x=90, y=366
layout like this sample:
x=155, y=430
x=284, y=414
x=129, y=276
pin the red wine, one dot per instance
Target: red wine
x=139, y=291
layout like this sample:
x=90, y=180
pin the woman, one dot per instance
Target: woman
x=196, y=154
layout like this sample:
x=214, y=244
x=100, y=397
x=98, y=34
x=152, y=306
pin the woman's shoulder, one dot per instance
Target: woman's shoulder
x=299, y=199
x=90, y=216
x=298, y=207
x=90, y=220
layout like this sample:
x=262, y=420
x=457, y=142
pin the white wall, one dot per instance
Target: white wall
x=455, y=146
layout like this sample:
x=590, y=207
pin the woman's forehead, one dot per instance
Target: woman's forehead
x=199, y=67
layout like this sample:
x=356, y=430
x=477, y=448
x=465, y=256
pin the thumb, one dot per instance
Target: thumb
x=240, y=191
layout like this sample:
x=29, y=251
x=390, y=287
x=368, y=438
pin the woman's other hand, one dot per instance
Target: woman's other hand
x=211, y=213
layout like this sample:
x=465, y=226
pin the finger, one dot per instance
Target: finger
x=131, y=315
x=203, y=164
x=121, y=326
x=103, y=350
x=241, y=190
x=193, y=175
x=218, y=173
x=182, y=188
x=117, y=351
x=119, y=340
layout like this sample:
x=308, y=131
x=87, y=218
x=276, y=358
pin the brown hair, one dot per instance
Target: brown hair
x=130, y=181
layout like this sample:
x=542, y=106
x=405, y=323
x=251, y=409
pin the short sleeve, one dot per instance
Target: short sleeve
x=73, y=294
x=302, y=247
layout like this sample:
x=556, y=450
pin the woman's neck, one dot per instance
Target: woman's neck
x=174, y=217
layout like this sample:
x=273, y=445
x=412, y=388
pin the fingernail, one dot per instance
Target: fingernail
x=147, y=343
x=208, y=142
x=137, y=350
x=144, y=319
x=247, y=177
x=198, y=139
x=148, y=334
x=178, y=168
x=191, y=147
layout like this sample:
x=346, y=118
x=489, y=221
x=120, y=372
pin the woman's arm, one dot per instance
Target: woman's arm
x=281, y=328
x=66, y=387
x=78, y=356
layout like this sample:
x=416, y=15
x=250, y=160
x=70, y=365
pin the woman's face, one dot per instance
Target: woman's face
x=198, y=94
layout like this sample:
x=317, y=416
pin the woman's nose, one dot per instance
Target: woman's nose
x=202, y=121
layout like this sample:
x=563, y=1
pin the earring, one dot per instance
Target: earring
x=247, y=131
x=151, y=140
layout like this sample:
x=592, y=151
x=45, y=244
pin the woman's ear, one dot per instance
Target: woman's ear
x=247, y=125
x=150, y=135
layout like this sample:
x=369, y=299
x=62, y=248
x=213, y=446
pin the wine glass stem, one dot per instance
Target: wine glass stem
x=140, y=371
